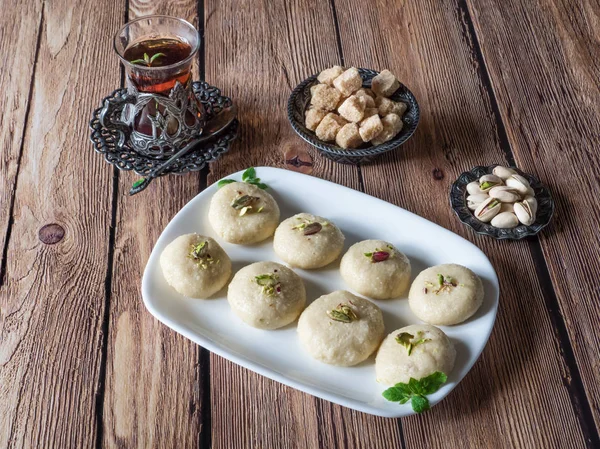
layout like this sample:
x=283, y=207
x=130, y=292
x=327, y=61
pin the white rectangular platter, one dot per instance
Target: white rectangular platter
x=277, y=354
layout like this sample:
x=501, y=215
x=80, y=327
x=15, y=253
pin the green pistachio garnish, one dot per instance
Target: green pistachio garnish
x=444, y=284
x=343, y=313
x=199, y=253
x=309, y=227
x=269, y=282
x=245, y=204
x=404, y=338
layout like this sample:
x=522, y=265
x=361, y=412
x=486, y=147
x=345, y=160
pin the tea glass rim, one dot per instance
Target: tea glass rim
x=164, y=67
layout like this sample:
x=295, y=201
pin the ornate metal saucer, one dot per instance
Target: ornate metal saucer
x=113, y=140
x=458, y=201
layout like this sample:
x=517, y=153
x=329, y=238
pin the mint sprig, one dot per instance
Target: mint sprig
x=416, y=391
x=248, y=176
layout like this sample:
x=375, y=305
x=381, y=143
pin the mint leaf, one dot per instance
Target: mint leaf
x=433, y=382
x=224, y=182
x=394, y=394
x=257, y=183
x=415, y=386
x=250, y=173
x=419, y=403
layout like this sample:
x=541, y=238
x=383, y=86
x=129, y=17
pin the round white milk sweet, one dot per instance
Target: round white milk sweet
x=341, y=328
x=376, y=269
x=414, y=351
x=445, y=294
x=195, y=265
x=243, y=213
x=307, y=241
x=266, y=295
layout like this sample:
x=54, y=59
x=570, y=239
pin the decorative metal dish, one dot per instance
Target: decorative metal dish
x=300, y=98
x=458, y=201
x=113, y=141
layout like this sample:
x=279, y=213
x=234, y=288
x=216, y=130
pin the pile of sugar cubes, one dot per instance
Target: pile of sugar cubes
x=363, y=115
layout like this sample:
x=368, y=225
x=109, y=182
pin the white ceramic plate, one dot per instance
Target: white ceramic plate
x=277, y=354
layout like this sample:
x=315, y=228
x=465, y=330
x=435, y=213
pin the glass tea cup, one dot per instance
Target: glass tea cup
x=162, y=111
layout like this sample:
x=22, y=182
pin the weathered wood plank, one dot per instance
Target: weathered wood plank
x=153, y=376
x=53, y=300
x=428, y=45
x=20, y=30
x=543, y=62
x=257, y=52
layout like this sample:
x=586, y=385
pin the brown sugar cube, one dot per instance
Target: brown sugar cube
x=329, y=127
x=370, y=128
x=353, y=108
x=348, y=82
x=369, y=92
x=325, y=97
x=386, y=106
x=370, y=103
x=348, y=136
x=314, y=117
x=385, y=84
x=313, y=89
x=369, y=112
x=392, y=124
x=328, y=75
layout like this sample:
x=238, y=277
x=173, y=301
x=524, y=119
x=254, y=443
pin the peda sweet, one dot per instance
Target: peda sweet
x=386, y=106
x=314, y=117
x=370, y=128
x=415, y=351
x=266, y=295
x=195, y=265
x=445, y=294
x=242, y=213
x=353, y=108
x=325, y=97
x=348, y=136
x=348, y=82
x=308, y=241
x=376, y=269
x=392, y=125
x=328, y=75
x=329, y=127
x=384, y=84
x=341, y=329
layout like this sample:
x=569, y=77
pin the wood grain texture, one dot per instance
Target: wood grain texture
x=53, y=300
x=543, y=61
x=257, y=52
x=154, y=385
x=19, y=36
x=433, y=54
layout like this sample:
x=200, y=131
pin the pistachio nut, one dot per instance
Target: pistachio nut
x=505, y=194
x=506, y=207
x=486, y=182
x=505, y=220
x=473, y=188
x=524, y=213
x=520, y=184
x=503, y=172
x=475, y=200
x=487, y=210
x=533, y=204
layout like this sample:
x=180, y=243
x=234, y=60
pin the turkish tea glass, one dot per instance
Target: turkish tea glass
x=162, y=112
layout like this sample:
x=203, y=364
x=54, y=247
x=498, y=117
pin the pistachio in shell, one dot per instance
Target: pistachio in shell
x=505, y=220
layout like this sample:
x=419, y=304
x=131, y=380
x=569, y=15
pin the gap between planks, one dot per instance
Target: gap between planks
x=573, y=382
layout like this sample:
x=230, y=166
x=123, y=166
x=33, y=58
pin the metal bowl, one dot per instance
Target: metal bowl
x=458, y=201
x=300, y=99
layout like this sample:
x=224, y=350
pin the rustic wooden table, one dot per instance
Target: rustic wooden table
x=83, y=364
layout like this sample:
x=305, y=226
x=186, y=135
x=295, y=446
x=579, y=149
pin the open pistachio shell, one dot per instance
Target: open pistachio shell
x=533, y=204
x=524, y=213
x=503, y=172
x=505, y=194
x=487, y=182
x=475, y=200
x=473, y=188
x=520, y=184
x=487, y=210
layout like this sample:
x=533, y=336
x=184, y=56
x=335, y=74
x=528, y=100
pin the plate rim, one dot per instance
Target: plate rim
x=269, y=373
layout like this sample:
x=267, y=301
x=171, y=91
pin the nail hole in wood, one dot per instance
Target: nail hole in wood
x=298, y=159
x=438, y=174
x=51, y=233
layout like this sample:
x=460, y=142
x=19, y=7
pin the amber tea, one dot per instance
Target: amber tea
x=158, y=53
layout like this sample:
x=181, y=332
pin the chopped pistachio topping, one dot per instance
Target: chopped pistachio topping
x=269, y=282
x=245, y=204
x=343, y=313
x=379, y=255
x=309, y=227
x=444, y=284
x=199, y=253
x=404, y=338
